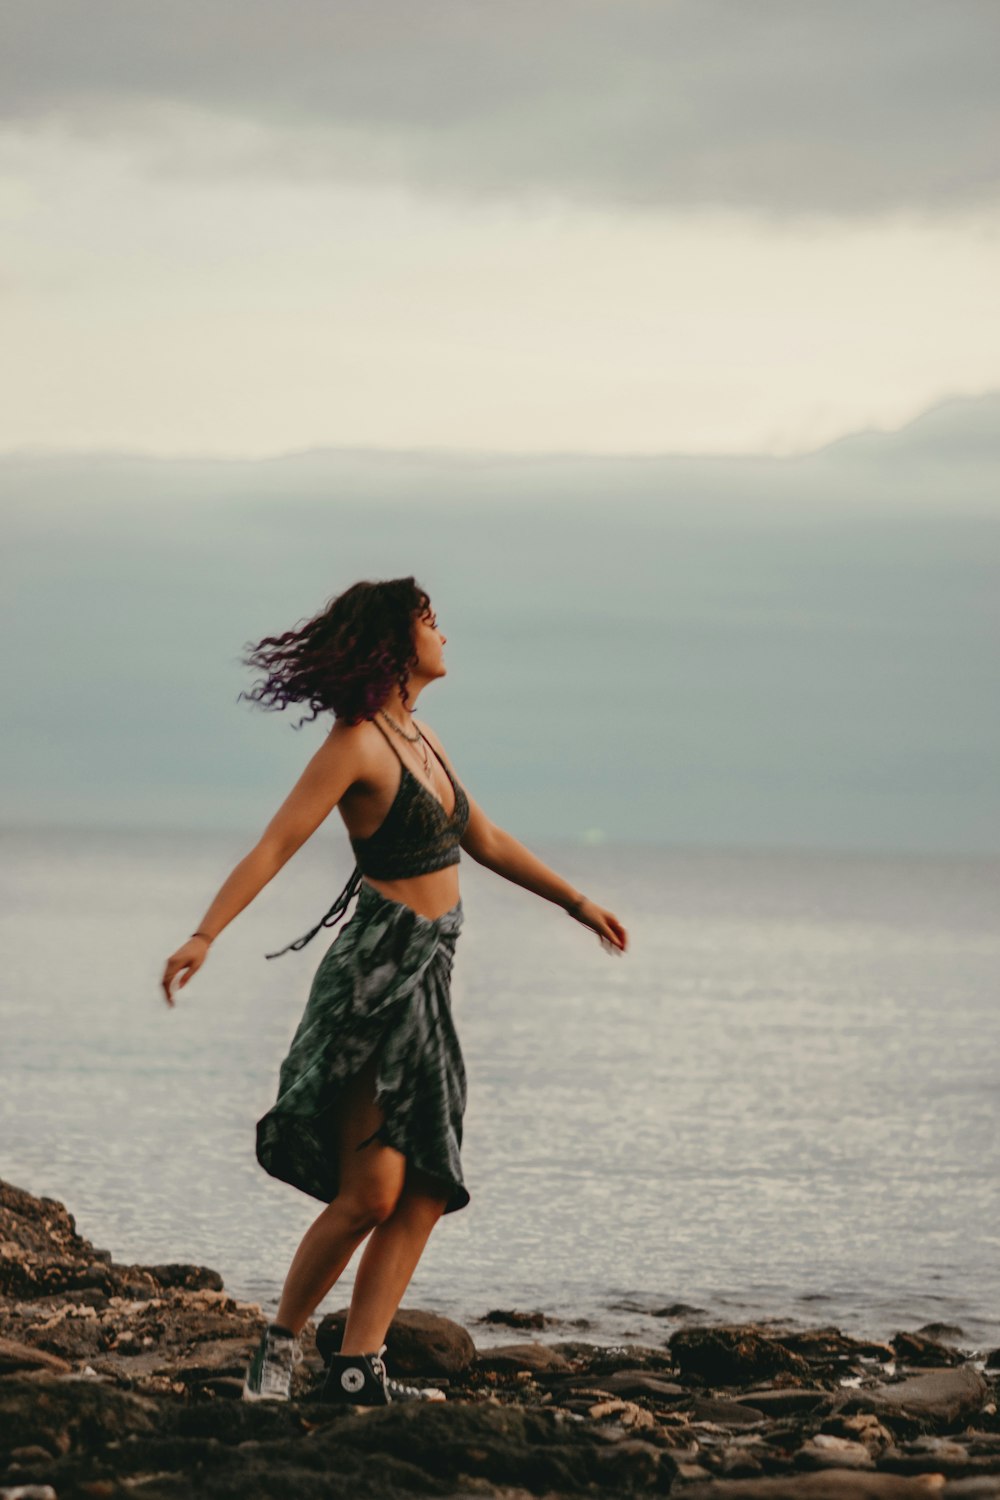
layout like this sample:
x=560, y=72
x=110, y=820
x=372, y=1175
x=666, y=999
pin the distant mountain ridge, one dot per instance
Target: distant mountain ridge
x=960, y=427
x=955, y=427
x=946, y=462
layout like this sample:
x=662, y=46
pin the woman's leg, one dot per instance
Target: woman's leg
x=388, y=1262
x=371, y=1181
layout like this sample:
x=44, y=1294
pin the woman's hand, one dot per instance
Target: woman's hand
x=189, y=958
x=614, y=938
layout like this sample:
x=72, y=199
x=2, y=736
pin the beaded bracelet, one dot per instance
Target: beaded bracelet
x=571, y=911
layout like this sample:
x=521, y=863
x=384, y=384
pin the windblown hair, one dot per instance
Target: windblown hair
x=346, y=659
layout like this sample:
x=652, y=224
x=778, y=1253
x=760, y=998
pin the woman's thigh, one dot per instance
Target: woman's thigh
x=373, y=1177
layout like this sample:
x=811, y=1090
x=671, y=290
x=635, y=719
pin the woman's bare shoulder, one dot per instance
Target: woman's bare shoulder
x=354, y=742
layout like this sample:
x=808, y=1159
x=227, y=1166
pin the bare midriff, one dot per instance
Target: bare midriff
x=429, y=895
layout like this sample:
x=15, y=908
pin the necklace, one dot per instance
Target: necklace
x=413, y=739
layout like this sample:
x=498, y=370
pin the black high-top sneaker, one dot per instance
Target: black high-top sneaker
x=362, y=1380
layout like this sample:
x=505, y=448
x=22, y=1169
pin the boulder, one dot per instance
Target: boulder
x=417, y=1343
x=509, y=1358
x=731, y=1354
x=21, y=1357
x=189, y=1278
x=918, y=1349
x=944, y=1398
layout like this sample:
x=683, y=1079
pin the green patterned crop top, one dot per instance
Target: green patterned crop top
x=415, y=837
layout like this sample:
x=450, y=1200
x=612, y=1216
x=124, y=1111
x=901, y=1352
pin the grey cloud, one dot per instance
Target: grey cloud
x=781, y=106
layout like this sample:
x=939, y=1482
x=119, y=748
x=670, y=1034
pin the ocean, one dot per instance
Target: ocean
x=782, y=1103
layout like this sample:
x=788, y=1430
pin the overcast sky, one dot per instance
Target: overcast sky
x=598, y=226
x=659, y=338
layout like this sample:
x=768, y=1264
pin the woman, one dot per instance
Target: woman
x=372, y=1093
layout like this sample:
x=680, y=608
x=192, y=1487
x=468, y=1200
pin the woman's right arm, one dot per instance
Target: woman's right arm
x=334, y=767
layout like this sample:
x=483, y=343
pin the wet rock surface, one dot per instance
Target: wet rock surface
x=125, y=1381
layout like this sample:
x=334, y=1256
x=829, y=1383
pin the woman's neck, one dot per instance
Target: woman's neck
x=393, y=706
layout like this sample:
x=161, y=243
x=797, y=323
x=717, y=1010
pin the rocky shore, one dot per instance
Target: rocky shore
x=124, y=1381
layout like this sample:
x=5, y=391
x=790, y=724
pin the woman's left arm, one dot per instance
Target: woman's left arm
x=499, y=851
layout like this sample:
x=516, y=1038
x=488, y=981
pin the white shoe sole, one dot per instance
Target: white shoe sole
x=249, y=1395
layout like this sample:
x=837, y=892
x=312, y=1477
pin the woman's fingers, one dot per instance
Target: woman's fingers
x=177, y=965
x=169, y=976
x=614, y=931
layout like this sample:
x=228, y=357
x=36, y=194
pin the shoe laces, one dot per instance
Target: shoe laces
x=396, y=1387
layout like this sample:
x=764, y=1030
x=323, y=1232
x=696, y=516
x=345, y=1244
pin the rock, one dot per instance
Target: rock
x=945, y=1397
x=190, y=1278
x=826, y=1451
x=418, y=1343
x=723, y=1412
x=516, y=1319
x=918, y=1349
x=640, y=1383
x=929, y=1454
x=125, y=1380
x=780, y=1401
x=229, y=1387
x=863, y=1427
x=608, y=1359
x=828, y=1346
x=689, y=1471
x=509, y=1358
x=211, y=1358
x=41, y=1254
x=635, y=1467
x=677, y=1310
x=626, y=1414
x=945, y=1333
x=729, y=1354
x=15, y=1356
x=825, y=1484
x=89, y=1411
x=739, y=1463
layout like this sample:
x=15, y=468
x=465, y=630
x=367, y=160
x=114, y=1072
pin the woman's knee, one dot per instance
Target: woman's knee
x=369, y=1202
x=368, y=1211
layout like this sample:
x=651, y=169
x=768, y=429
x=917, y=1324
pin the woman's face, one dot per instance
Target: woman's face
x=428, y=640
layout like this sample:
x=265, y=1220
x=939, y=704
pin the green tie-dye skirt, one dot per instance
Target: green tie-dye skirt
x=383, y=986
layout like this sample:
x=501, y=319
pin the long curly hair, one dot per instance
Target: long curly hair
x=346, y=659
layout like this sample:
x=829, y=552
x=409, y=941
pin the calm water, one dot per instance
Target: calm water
x=782, y=1102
